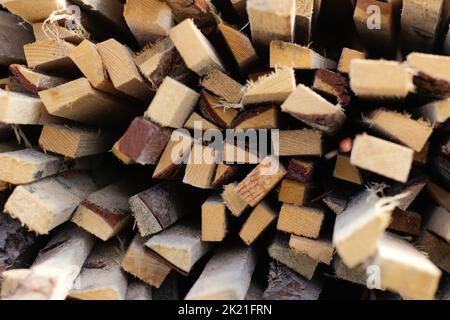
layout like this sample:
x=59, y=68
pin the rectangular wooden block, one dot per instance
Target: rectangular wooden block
x=259, y=220
x=214, y=219
x=293, y=192
x=298, y=143
x=301, y=221
x=320, y=250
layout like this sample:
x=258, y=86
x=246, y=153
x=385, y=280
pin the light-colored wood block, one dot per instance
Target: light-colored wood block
x=52, y=274
x=172, y=105
x=226, y=276
x=50, y=55
x=261, y=180
x=143, y=264
x=382, y=157
x=101, y=277
x=400, y=127
x=156, y=14
x=320, y=250
x=301, y=221
x=304, y=12
x=33, y=81
x=438, y=221
x=78, y=101
x=265, y=117
x=286, y=54
x=201, y=167
x=214, y=219
x=223, y=86
x=274, y=87
x=180, y=245
x=380, y=79
x=54, y=31
x=344, y=170
x=234, y=202
x=406, y=270
x=213, y=109
x=361, y=225
x=124, y=73
x=258, y=221
x=298, y=143
x=19, y=108
x=311, y=108
x=293, y=192
x=196, y=51
x=271, y=20
x=347, y=55
x=75, y=141
x=240, y=46
x=197, y=122
x=28, y=10
x=45, y=204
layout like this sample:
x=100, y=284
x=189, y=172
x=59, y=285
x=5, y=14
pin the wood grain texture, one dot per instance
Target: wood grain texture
x=214, y=219
x=347, y=55
x=302, y=221
x=298, y=143
x=234, y=202
x=257, y=223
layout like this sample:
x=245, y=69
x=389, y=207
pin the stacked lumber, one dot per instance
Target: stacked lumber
x=162, y=149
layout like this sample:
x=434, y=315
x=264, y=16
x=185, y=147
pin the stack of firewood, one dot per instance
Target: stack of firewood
x=103, y=106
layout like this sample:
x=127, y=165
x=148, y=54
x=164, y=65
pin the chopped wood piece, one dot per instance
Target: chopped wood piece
x=436, y=112
x=238, y=153
x=320, y=250
x=298, y=143
x=201, y=167
x=240, y=46
x=156, y=15
x=437, y=249
x=346, y=171
x=174, y=154
x=45, y=204
x=265, y=117
x=201, y=11
x=274, y=87
x=180, y=245
x=55, y=269
x=30, y=12
x=172, y=105
x=304, y=10
x=78, y=101
x=257, y=223
x=347, y=56
x=124, y=74
x=406, y=222
x=19, y=108
x=438, y=221
x=87, y=58
x=48, y=55
x=300, y=170
x=293, y=192
x=285, y=284
x=162, y=59
x=388, y=79
x=358, y=229
x=106, y=212
x=261, y=180
x=101, y=277
x=400, y=127
x=197, y=122
x=33, y=81
x=16, y=240
x=300, y=263
x=226, y=276
x=196, y=51
x=431, y=73
x=420, y=22
x=48, y=31
x=144, y=141
x=142, y=263
x=271, y=20
x=286, y=54
x=402, y=268
x=214, y=219
x=336, y=201
x=392, y=160
x=309, y=107
x=213, y=109
x=301, y=221
x=334, y=85
x=13, y=39
x=439, y=195
x=28, y=165
x=222, y=86
x=224, y=174
x=138, y=290
x=233, y=200
x=380, y=35
x=159, y=207
x=75, y=141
